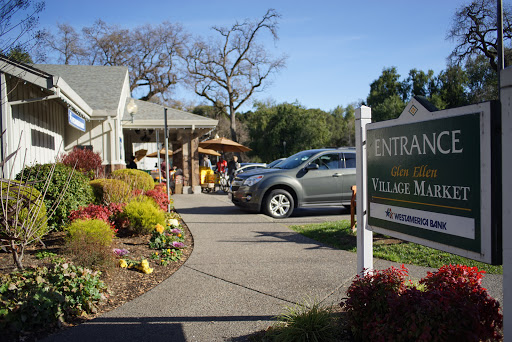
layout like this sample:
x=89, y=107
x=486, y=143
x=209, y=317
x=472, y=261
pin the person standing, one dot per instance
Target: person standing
x=206, y=162
x=222, y=165
x=233, y=165
x=132, y=164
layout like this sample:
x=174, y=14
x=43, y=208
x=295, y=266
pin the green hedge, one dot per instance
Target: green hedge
x=108, y=191
x=137, y=179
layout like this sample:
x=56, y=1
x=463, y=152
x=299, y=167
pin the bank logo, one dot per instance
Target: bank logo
x=389, y=213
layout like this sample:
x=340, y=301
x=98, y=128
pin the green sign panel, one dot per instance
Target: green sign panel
x=432, y=169
x=425, y=181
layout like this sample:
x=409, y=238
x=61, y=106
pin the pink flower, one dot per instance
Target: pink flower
x=177, y=244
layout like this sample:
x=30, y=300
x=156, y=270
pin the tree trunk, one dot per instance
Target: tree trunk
x=232, y=116
x=17, y=258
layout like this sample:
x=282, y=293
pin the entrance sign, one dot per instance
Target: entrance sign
x=429, y=179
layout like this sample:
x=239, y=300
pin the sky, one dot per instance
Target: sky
x=335, y=48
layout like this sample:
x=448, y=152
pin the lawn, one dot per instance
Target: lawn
x=338, y=234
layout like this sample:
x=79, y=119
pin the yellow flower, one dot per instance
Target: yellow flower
x=156, y=253
x=168, y=250
x=123, y=263
x=179, y=235
x=159, y=228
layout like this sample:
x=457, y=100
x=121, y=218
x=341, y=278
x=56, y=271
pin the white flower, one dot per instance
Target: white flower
x=173, y=222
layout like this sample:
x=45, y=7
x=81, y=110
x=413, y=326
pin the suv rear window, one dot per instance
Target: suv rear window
x=350, y=160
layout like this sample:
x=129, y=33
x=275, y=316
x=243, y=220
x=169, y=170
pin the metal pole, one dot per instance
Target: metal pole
x=500, y=52
x=158, y=156
x=167, y=159
x=506, y=140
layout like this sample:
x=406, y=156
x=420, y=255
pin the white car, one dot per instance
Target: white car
x=275, y=163
x=244, y=167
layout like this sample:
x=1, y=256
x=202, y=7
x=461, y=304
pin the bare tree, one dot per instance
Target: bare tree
x=18, y=22
x=151, y=53
x=229, y=70
x=107, y=45
x=67, y=43
x=156, y=59
x=474, y=28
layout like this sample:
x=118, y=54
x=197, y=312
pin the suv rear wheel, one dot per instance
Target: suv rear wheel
x=279, y=204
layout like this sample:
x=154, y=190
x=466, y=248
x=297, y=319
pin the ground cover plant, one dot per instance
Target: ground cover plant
x=338, y=234
x=41, y=299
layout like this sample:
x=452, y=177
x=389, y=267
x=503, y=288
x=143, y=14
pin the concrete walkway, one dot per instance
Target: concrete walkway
x=245, y=268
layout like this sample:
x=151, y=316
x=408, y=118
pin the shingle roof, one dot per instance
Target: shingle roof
x=100, y=86
x=152, y=111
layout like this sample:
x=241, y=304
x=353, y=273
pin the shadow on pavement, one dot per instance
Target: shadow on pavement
x=233, y=210
x=141, y=328
x=280, y=237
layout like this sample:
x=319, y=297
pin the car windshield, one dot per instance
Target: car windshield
x=296, y=160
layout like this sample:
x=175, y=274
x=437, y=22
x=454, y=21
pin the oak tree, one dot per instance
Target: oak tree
x=230, y=69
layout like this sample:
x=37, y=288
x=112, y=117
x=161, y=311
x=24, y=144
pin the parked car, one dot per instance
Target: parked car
x=275, y=163
x=312, y=178
x=244, y=167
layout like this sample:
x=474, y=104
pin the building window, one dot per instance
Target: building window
x=41, y=139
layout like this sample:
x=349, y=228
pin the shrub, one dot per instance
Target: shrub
x=143, y=215
x=78, y=193
x=453, y=306
x=463, y=284
x=108, y=191
x=137, y=179
x=87, y=161
x=89, y=242
x=39, y=299
x=159, y=196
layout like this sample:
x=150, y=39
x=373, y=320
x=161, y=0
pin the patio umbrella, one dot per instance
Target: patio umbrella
x=140, y=154
x=208, y=151
x=224, y=145
x=162, y=154
x=201, y=150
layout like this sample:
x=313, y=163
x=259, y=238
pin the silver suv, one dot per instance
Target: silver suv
x=313, y=178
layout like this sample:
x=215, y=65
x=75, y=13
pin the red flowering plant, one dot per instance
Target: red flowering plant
x=160, y=197
x=481, y=311
x=86, y=161
x=107, y=214
x=367, y=303
x=453, y=306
